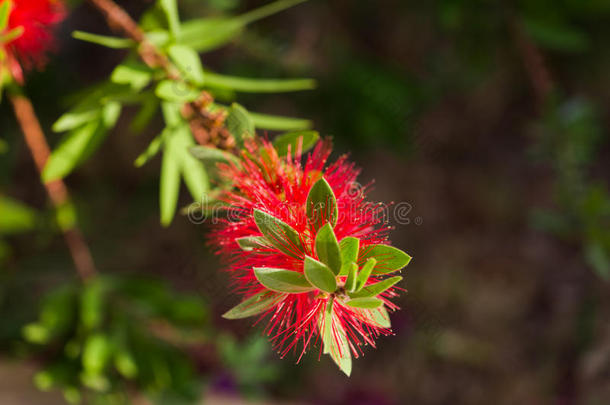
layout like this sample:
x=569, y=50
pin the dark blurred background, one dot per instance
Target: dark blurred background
x=485, y=122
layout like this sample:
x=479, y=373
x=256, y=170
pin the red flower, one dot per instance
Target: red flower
x=32, y=22
x=307, y=251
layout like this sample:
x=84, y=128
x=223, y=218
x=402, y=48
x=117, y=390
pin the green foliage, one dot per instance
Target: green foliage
x=282, y=281
x=133, y=83
x=319, y=275
x=113, y=333
x=321, y=205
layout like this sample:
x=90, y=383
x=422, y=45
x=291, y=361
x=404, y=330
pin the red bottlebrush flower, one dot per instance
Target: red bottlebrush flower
x=27, y=35
x=307, y=251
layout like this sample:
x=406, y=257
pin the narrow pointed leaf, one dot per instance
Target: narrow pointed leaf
x=372, y=290
x=5, y=7
x=327, y=324
x=153, y=148
x=305, y=139
x=281, y=235
x=108, y=42
x=365, y=273
x=284, y=281
x=136, y=75
x=249, y=243
x=327, y=248
x=389, y=259
x=255, y=305
x=207, y=154
x=321, y=205
x=170, y=183
x=207, y=34
x=76, y=117
x=319, y=275
x=335, y=342
x=367, y=303
x=73, y=150
x=170, y=8
x=279, y=123
x=248, y=85
x=352, y=274
x=349, y=253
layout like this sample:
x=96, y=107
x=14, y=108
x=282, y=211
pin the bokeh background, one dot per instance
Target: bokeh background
x=485, y=121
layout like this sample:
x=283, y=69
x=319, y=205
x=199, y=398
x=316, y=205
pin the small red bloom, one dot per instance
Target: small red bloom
x=291, y=260
x=35, y=19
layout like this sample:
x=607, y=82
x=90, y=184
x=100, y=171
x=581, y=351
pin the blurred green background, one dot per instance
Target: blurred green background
x=485, y=122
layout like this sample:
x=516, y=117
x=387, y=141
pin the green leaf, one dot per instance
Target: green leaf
x=349, y=253
x=278, y=123
x=352, y=274
x=249, y=243
x=283, y=281
x=327, y=324
x=136, y=75
x=171, y=90
x=153, y=148
x=71, y=151
x=208, y=154
x=77, y=117
x=211, y=33
x=248, y=85
x=319, y=275
x=239, y=123
x=335, y=342
x=281, y=235
x=170, y=182
x=207, y=34
x=92, y=305
x=170, y=7
x=378, y=316
x=327, y=248
x=255, y=305
x=80, y=143
x=389, y=259
x=15, y=217
x=305, y=139
x=109, y=42
x=188, y=62
x=321, y=205
x=11, y=35
x=367, y=303
x=96, y=353
x=372, y=290
x=125, y=364
x=365, y=273
x=36, y=333
x=5, y=8
x=195, y=175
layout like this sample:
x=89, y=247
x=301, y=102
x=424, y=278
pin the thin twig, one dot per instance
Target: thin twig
x=58, y=193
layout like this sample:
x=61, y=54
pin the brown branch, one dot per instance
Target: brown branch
x=58, y=193
x=207, y=127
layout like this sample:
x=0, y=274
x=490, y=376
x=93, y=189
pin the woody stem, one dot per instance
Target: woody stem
x=57, y=190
